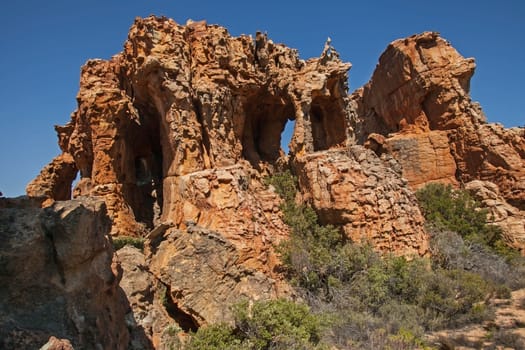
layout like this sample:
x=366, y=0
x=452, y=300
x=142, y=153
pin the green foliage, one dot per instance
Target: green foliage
x=278, y=324
x=311, y=248
x=479, y=247
x=214, y=337
x=285, y=185
x=275, y=324
x=457, y=211
x=386, y=302
x=122, y=241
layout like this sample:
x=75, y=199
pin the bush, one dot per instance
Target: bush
x=278, y=324
x=462, y=239
x=455, y=210
x=309, y=254
x=389, y=302
x=122, y=241
x=214, y=337
x=450, y=251
x=275, y=324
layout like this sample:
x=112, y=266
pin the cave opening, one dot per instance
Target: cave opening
x=183, y=319
x=144, y=170
x=266, y=117
x=328, y=123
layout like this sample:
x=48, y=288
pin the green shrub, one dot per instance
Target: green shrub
x=455, y=210
x=278, y=324
x=121, y=241
x=275, y=324
x=285, y=185
x=214, y=337
x=388, y=302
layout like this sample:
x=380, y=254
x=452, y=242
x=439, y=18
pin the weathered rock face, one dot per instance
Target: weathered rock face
x=58, y=278
x=418, y=99
x=176, y=133
x=54, y=182
x=202, y=272
x=366, y=196
x=150, y=324
x=182, y=99
x=183, y=124
x=417, y=108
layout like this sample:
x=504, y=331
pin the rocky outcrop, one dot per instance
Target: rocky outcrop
x=54, y=181
x=202, y=273
x=148, y=319
x=183, y=99
x=58, y=277
x=184, y=280
x=418, y=99
x=183, y=124
x=417, y=108
x=365, y=196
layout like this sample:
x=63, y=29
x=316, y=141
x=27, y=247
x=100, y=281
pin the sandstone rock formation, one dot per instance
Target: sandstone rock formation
x=202, y=274
x=418, y=98
x=175, y=135
x=183, y=124
x=417, y=108
x=366, y=196
x=58, y=277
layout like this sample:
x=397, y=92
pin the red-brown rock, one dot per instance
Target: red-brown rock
x=418, y=101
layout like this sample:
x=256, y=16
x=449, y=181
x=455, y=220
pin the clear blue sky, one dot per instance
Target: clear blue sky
x=44, y=43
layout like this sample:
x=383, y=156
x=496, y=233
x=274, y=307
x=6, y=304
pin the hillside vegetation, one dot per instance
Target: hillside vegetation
x=370, y=301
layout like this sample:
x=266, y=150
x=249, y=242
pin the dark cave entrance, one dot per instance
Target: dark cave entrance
x=328, y=123
x=145, y=168
x=184, y=320
x=266, y=117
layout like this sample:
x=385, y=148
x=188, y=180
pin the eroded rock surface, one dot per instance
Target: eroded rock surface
x=58, y=277
x=418, y=99
x=184, y=123
x=203, y=274
x=150, y=324
x=417, y=108
x=366, y=196
x=176, y=133
x=183, y=99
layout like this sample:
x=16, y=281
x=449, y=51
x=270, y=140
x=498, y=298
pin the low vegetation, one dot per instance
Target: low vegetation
x=122, y=241
x=275, y=324
x=368, y=301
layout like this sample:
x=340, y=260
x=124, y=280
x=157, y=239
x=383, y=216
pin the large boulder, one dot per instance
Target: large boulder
x=58, y=277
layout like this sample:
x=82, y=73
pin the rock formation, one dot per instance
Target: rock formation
x=183, y=124
x=176, y=133
x=366, y=196
x=58, y=277
x=417, y=108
